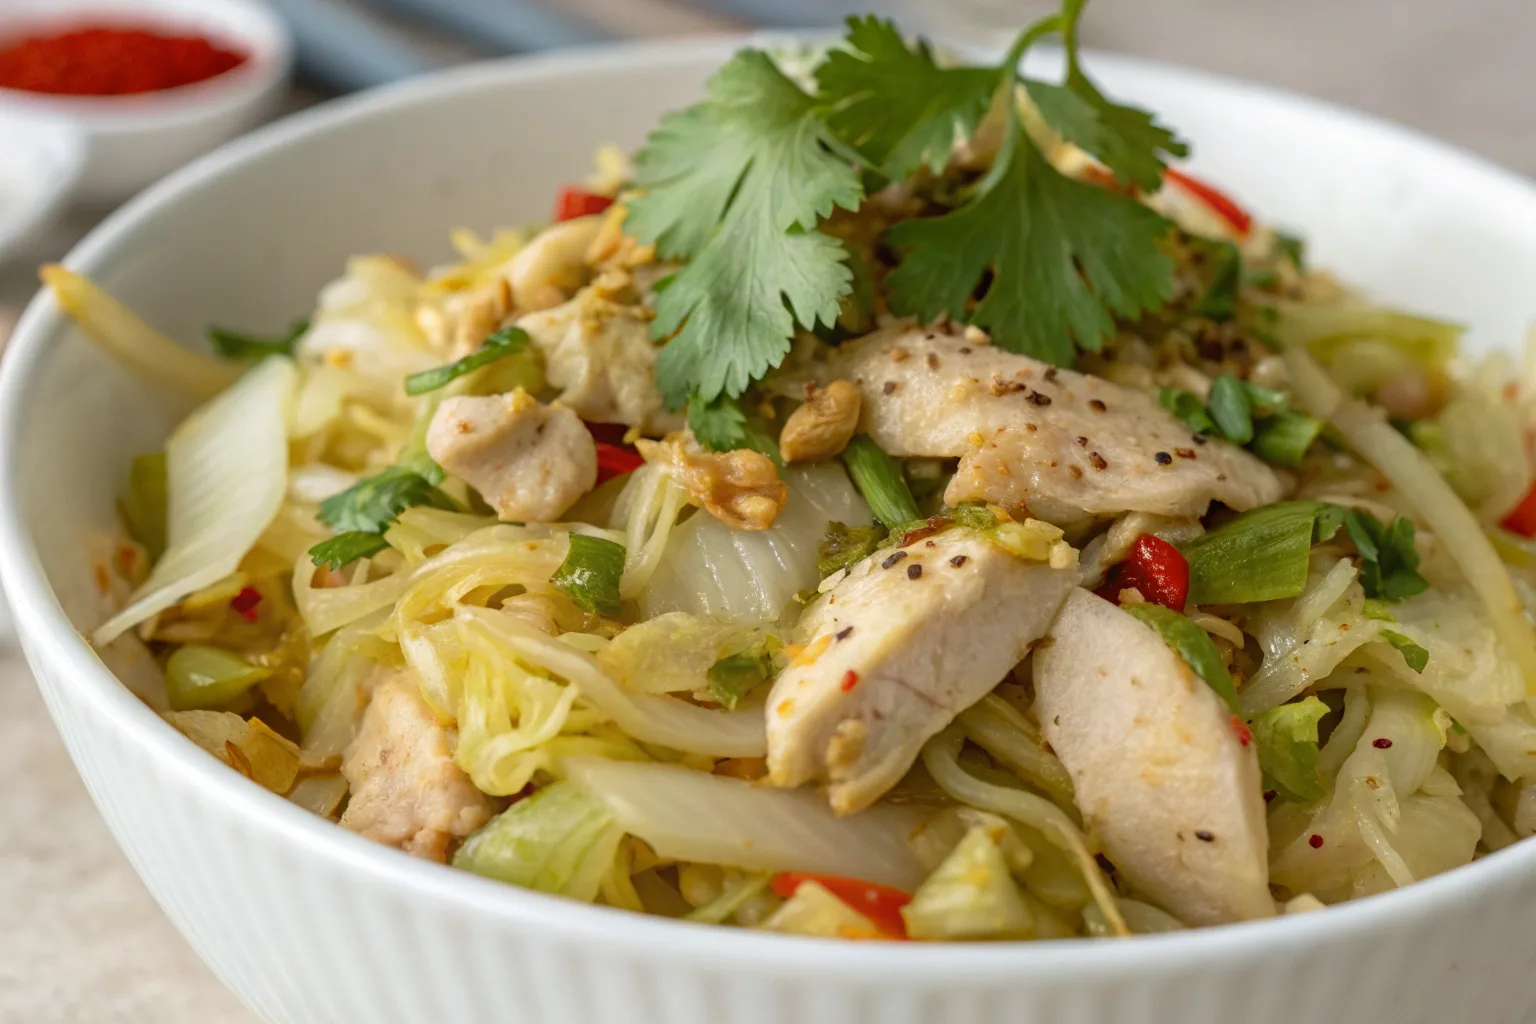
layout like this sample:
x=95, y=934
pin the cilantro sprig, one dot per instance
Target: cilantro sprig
x=237, y=345
x=361, y=513
x=737, y=188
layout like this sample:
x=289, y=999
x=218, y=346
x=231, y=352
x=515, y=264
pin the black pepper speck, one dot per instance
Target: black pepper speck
x=1039, y=398
x=1163, y=459
x=1097, y=460
x=914, y=571
x=1204, y=836
x=888, y=388
x=1096, y=405
x=896, y=557
x=957, y=561
x=844, y=633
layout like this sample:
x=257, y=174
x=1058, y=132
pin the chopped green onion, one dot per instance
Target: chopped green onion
x=1186, y=405
x=1284, y=438
x=202, y=678
x=735, y=675
x=145, y=507
x=506, y=342
x=590, y=574
x=845, y=546
x=234, y=345
x=1190, y=643
x=1231, y=409
x=1416, y=656
x=1294, y=247
x=879, y=479
x=1262, y=555
x=1286, y=738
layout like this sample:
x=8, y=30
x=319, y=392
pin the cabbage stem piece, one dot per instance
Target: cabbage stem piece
x=133, y=342
x=1411, y=472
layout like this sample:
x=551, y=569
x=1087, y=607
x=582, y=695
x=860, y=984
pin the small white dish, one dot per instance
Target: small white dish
x=136, y=139
x=41, y=161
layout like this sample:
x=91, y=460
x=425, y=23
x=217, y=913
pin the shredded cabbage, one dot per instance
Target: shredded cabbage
x=559, y=840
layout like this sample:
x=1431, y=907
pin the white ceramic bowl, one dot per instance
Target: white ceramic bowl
x=307, y=922
x=41, y=161
x=134, y=140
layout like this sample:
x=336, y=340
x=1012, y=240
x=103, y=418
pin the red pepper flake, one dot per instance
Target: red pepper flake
x=1240, y=730
x=880, y=903
x=1315, y=841
x=245, y=603
x=111, y=61
x=1382, y=743
x=577, y=202
x=928, y=529
x=850, y=680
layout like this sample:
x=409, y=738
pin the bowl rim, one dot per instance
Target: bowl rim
x=64, y=148
x=76, y=669
x=251, y=24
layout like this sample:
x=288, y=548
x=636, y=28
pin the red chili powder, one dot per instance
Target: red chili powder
x=105, y=61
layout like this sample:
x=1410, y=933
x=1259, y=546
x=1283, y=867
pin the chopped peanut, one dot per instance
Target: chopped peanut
x=824, y=425
x=742, y=488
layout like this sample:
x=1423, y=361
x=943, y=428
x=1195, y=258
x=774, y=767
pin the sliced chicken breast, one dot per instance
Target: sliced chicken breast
x=407, y=791
x=909, y=639
x=1065, y=446
x=1162, y=777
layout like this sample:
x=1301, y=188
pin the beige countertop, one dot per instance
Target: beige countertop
x=84, y=942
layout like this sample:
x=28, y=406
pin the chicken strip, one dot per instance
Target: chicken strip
x=909, y=639
x=1164, y=780
x=406, y=789
x=1065, y=446
x=529, y=461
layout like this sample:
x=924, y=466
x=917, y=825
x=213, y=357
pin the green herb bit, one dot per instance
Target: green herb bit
x=1293, y=247
x=234, y=345
x=845, y=546
x=1284, y=438
x=1186, y=405
x=740, y=183
x=1262, y=555
x=1231, y=409
x=735, y=675
x=1416, y=656
x=1287, y=738
x=721, y=426
x=146, y=507
x=895, y=105
x=1190, y=643
x=508, y=341
x=345, y=548
x=590, y=574
x=975, y=515
x=1375, y=608
x=1226, y=278
x=880, y=480
x=1389, y=568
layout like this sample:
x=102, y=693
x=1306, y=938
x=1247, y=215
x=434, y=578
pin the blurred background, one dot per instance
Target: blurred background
x=100, y=97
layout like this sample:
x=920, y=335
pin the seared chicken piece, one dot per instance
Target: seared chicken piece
x=406, y=789
x=1163, y=777
x=529, y=461
x=909, y=639
x=1065, y=446
x=600, y=353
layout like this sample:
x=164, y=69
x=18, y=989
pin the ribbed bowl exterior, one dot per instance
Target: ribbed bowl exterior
x=309, y=924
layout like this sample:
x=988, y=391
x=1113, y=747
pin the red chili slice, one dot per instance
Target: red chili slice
x=1522, y=518
x=1154, y=567
x=614, y=460
x=880, y=903
x=1218, y=201
x=575, y=202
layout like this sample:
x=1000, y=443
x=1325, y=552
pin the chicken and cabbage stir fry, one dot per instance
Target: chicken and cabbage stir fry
x=894, y=503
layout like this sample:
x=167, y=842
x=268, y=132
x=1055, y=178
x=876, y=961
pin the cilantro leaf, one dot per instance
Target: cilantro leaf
x=506, y=342
x=721, y=426
x=739, y=183
x=1127, y=139
x=1062, y=256
x=234, y=345
x=1186, y=405
x=1389, y=569
x=894, y=104
x=345, y=548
